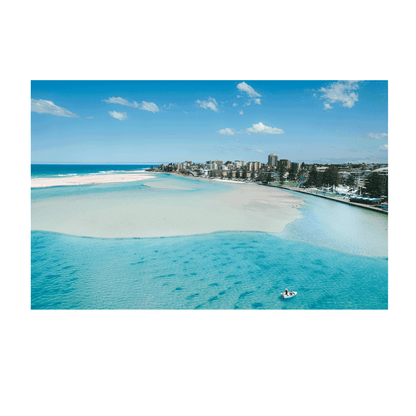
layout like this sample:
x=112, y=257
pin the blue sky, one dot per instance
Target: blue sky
x=173, y=121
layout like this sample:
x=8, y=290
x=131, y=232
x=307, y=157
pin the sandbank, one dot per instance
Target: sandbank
x=161, y=213
x=88, y=180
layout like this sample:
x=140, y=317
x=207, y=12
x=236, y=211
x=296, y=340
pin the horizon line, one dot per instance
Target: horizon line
x=95, y=163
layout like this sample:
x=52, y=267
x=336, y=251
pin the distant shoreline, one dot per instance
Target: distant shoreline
x=287, y=188
x=205, y=178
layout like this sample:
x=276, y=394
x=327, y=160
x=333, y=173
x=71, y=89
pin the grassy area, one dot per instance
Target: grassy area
x=285, y=183
x=330, y=194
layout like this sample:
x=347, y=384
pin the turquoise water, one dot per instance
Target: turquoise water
x=177, y=184
x=340, y=227
x=335, y=257
x=215, y=271
x=53, y=171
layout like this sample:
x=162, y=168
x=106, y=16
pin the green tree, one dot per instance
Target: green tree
x=282, y=174
x=301, y=172
x=313, y=177
x=265, y=177
x=350, y=180
x=334, y=178
x=373, y=185
x=319, y=179
x=326, y=177
x=292, y=172
x=330, y=176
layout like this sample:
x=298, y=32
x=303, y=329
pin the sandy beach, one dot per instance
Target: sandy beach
x=168, y=212
x=88, y=180
x=228, y=180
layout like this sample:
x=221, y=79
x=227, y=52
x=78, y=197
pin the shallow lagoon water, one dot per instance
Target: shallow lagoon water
x=340, y=227
x=335, y=257
x=214, y=271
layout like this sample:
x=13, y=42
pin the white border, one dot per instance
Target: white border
x=25, y=316
x=13, y=205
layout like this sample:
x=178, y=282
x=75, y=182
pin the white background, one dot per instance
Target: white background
x=25, y=316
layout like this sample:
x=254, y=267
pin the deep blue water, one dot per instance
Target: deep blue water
x=47, y=171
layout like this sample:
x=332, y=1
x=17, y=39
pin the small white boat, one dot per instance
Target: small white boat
x=288, y=295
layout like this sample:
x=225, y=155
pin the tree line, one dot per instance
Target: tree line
x=375, y=185
x=330, y=177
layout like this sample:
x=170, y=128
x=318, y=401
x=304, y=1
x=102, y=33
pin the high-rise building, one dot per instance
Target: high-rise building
x=239, y=163
x=254, y=166
x=211, y=165
x=285, y=163
x=272, y=161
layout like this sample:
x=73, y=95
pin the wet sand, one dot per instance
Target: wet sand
x=165, y=213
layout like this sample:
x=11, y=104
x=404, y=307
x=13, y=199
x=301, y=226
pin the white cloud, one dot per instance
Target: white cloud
x=48, y=107
x=376, y=135
x=241, y=113
x=211, y=103
x=249, y=149
x=227, y=131
x=144, y=105
x=243, y=87
x=371, y=136
x=235, y=105
x=384, y=147
x=122, y=101
x=252, y=94
x=90, y=118
x=245, y=148
x=149, y=107
x=341, y=91
x=261, y=128
x=117, y=115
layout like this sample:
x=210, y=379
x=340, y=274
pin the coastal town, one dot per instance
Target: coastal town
x=356, y=183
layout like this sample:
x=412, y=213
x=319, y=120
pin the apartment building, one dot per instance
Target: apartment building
x=272, y=160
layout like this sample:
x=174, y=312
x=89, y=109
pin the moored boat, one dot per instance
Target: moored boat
x=288, y=294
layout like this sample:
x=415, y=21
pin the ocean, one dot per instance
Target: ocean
x=335, y=257
x=53, y=171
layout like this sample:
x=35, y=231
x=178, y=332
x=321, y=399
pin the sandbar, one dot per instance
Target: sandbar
x=165, y=213
x=88, y=180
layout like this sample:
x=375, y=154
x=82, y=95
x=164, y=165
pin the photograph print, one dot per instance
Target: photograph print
x=242, y=194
